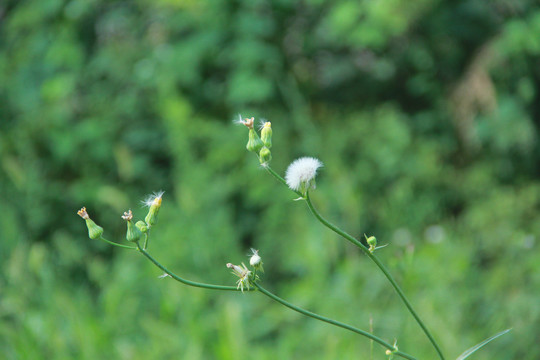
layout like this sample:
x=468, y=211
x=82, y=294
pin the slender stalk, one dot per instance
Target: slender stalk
x=373, y=258
x=117, y=244
x=371, y=342
x=281, y=180
x=278, y=299
x=333, y=322
x=145, y=246
x=380, y=265
x=182, y=280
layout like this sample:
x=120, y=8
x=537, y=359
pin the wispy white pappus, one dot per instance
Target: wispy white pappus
x=300, y=175
x=153, y=198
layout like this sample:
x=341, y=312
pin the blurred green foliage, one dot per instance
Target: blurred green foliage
x=426, y=115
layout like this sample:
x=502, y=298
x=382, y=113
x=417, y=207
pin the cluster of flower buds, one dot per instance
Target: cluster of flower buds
x=259, y=145
x=245, y=276
x=134, y=230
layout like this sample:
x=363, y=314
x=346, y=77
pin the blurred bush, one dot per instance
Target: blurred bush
x=425, y=115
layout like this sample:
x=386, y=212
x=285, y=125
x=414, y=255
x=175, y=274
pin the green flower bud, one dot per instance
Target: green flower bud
x=265, y=155
x=154, y=202
x=141, y=225
x=254, y=143
x=372, y=241
x=133, y=234
x=94, y=230
x=266, y=134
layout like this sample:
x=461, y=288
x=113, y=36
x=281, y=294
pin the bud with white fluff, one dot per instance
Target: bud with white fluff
x=256, y=261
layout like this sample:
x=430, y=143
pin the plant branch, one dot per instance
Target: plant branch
x=380, y=265
x=373, y=258
x=182, y=280
x=117, y=244
x=333, y=322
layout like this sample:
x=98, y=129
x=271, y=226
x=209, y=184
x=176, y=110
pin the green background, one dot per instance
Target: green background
x=426, y=115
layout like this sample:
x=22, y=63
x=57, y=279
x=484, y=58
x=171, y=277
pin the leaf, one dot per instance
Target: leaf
x=470, y=351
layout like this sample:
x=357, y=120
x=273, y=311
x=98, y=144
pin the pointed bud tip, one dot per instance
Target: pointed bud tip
x=128, y=215
x=82, y=213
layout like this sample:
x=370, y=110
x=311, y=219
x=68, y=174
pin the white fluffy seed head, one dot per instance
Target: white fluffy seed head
x=301, y=173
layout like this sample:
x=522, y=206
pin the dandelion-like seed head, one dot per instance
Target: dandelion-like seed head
x=300, y=175
x=243, y=274
x=153, y=199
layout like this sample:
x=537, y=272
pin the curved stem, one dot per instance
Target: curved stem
x=333, y=322
x=117, y=244
x=182, y=280
x=281, y=180
x=370, y=255
x=380, y=266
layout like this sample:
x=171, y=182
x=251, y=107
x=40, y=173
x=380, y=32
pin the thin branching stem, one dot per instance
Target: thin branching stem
x=185, y=281
x=278, y=299
x=333, y=322
x=117, y=244
x=373, y=258
x=281, y=180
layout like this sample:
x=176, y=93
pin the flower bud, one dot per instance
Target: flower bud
x=266, y=134
x=265, y=155
x=133, y=234
x=141, y=225
x=248, y=122
x=256, y=261
x=372, y=241
x=154, y=202
x=254, y=143
x=94, y=231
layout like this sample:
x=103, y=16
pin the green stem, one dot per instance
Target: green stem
x=117, y=244
x=380, y=266
x=145, y=246
x=333, y=322
x=370, y=255
x=182, y=280
x=282, y=180
x=278, y=299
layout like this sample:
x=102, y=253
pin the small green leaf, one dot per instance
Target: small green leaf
x=470, y=351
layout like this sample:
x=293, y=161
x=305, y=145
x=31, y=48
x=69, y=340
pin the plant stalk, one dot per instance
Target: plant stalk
x=333, y=322
x=366, y=251
x=182, y=280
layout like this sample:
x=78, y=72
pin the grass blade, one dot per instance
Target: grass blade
x=470, y=351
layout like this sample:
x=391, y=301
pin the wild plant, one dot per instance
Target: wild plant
x=300, y=178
